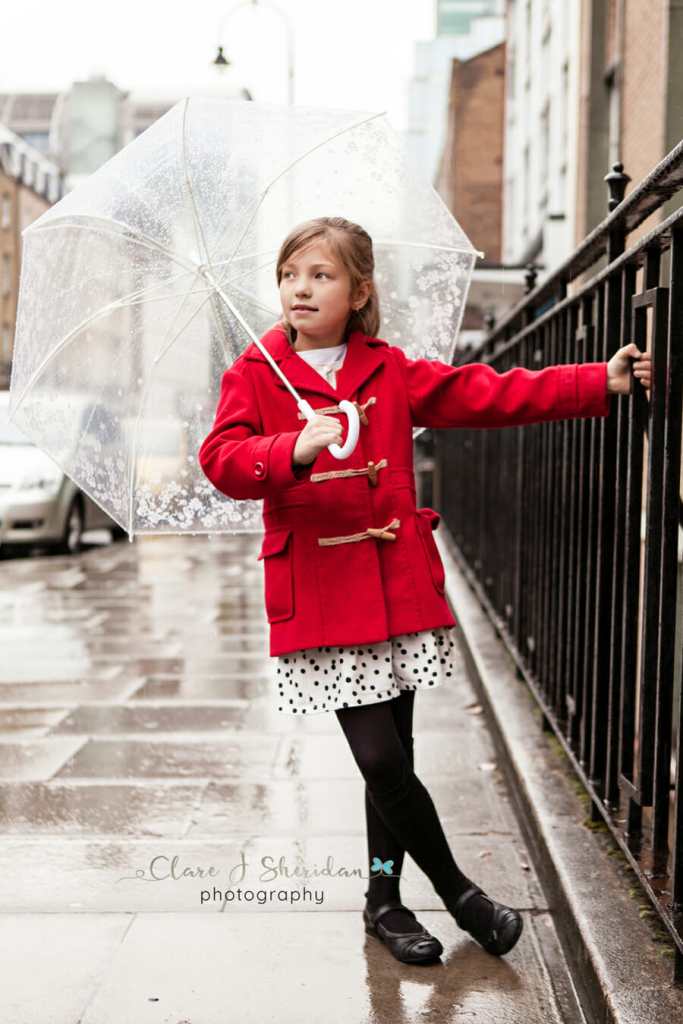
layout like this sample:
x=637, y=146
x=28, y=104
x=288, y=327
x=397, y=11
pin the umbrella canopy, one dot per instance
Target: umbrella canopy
x=141, y=286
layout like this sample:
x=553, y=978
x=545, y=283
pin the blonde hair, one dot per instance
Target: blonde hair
x=353, y=247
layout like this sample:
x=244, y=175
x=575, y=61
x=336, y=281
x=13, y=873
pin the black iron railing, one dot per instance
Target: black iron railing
x=570, y=531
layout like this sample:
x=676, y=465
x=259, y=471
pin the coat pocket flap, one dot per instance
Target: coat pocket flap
x=274, y=542
x=431, y=515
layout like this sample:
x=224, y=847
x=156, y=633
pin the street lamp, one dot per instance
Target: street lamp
x=221, y=62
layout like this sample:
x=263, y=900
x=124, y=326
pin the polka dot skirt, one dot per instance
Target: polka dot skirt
x=325, y=678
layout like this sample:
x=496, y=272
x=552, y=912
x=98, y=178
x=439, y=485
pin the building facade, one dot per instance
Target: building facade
x=589, y=83
x=464, y=28
x=543, y=72
x=470, y=174
x=29, y=185
x=87, y=124
x=631, y=99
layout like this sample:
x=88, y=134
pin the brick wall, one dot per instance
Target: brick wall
x=643, y=105
x=470, y=178
x=9, y=261
x=19, y=207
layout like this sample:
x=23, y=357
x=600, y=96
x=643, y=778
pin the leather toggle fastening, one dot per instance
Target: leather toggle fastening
x=379, y=533
x=335, y=408
x=333, y=474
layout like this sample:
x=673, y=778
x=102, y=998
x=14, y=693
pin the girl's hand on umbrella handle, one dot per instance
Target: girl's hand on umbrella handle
x=325, y=432
x=353, y=418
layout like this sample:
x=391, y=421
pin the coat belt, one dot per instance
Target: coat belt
x=379, y=533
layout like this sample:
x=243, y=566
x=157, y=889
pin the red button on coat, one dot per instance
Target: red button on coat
x=258, y=469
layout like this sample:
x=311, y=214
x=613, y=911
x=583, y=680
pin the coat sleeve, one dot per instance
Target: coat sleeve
x=238, y=459
x=476, y=395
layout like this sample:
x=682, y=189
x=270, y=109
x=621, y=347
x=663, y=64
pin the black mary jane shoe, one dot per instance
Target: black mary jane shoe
x=506, y=923
x=409, y=947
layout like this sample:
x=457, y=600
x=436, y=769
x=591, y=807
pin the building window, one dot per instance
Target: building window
x=6, y=274
x=6, y=351
x=40, y=140
x=511, y=75
x=614, y=113
x=544, y=168
x=564, y=108
x=526, y=191
x=509, y=215
x=5, y=211
x=562, y=192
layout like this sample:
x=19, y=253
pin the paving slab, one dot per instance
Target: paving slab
x=213, y=687
x=25, y=721
x=242, y=756
x=447, y=753
x=64, y=808
x=52, y=964
x=30, y=760
x=330, y=807
x=214, y=971
x=70, y=691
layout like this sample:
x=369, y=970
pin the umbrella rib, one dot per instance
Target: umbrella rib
x=194, y=213
x=98, y=314
x=162, y=351
x=210, y=291
x=246, y=273
x=245, y=256
x=201, y=239
x=426, y=245
x=255, y=302
x=302, y=156
x=162, y=298
x=128, y=233
x=376, y=241
x=318, y=145
x=166, y=345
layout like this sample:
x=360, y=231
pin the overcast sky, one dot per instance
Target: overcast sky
x=357, y=54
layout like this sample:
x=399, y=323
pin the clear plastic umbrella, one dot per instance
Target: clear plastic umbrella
x=140, y=287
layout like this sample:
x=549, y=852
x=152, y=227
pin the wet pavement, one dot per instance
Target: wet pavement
x=174, y=849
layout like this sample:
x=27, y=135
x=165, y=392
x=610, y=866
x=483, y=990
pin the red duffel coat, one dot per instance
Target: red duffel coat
x=348, y=558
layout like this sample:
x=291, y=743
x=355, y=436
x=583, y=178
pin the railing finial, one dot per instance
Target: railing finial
x=616, y=182
x=530, y=277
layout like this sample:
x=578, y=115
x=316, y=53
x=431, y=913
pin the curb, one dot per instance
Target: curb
x=619, y=970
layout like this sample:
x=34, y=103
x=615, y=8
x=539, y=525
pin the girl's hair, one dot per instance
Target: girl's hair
x=352, y=245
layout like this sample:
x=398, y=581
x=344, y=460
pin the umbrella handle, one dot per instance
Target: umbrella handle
x=339, y=451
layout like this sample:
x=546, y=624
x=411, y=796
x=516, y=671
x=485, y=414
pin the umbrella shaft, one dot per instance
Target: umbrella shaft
x=210, y=278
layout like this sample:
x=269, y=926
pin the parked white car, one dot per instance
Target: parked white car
x=39, y=503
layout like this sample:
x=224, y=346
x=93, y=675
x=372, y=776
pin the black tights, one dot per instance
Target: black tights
x=400, y=813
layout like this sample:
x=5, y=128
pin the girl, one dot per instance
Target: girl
x=354, y=585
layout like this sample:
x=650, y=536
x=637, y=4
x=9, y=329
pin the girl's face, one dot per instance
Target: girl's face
x=315, y=291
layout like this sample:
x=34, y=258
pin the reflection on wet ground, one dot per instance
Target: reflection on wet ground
x=143, y=764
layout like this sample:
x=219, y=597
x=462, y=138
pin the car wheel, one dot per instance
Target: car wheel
x=72, y=538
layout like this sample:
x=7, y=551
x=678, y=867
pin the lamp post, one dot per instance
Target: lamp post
x=221, y=61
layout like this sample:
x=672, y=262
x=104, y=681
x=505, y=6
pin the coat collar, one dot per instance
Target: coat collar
x=364, y=355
